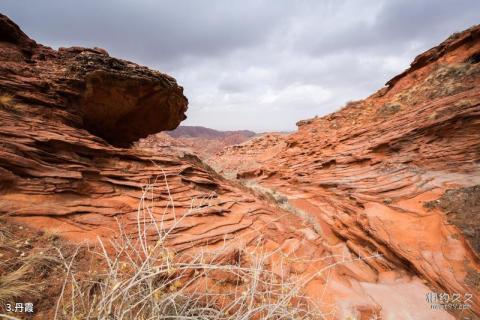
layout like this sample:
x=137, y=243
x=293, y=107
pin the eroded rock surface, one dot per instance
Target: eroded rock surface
x=114, y=99
x=397, y=173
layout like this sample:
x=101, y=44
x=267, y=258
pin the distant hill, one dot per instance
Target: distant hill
x=204, y=142
x=207, y=133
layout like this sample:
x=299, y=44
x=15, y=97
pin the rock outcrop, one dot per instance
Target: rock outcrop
x=396, y=173
x=114, y=99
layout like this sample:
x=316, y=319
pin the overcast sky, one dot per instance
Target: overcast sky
x=259, y=65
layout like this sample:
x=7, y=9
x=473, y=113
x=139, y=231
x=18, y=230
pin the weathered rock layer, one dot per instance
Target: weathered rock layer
x=396, y=173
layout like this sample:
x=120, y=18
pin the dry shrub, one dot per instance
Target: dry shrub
x=20, y=271
x=388, y=109
x=139, y=279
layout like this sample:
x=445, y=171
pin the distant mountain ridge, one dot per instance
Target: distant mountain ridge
x=202, y=141
x=206, y=133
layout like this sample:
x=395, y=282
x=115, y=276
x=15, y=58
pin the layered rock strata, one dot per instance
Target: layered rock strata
x=396, y=173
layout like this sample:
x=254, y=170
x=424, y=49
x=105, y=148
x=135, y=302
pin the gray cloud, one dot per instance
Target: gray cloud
x=260, y=65
x=150, y=30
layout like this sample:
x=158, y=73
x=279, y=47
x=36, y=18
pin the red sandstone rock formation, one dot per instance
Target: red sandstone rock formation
x=396, y=173
x=63, y=116
x=344, y=189
x=114, y=99
x=59, y=169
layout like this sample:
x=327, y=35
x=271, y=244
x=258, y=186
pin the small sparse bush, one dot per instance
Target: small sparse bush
x=388, y=109
x=15, y=284
x=351, y=103
x=21, y=268
x=454, y=36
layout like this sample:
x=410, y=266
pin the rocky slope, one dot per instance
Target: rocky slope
x=397, y=173
x=349, y=191
x=247, y=156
